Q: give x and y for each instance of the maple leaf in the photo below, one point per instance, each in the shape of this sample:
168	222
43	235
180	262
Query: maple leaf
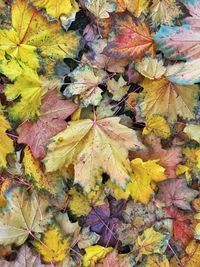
150	242
55	245
54	8
33	170
190	163
158	125
53	113
151	68
168	158
24	214
93	254
181	42
179	99
176	192
100	8
156	260
86	84
28	87
6	144
143	174
31	31
81	205
132	40
184	73
164	12
104	220
135	7
117	88
193	254
115	259
182	230
93	147
98	60
25	257
193	132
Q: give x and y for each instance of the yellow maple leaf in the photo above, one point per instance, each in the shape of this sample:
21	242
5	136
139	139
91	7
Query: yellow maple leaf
191	162
54	8
6	144
93	147
183	169
55	247
193	132
31	31
198	159
157	260
81	204
4	186
179	99
94	254
164	12
150	242
158	125
78	203
100	9
29	87
33	170
136	7
193	255
117	192
144	173
151	68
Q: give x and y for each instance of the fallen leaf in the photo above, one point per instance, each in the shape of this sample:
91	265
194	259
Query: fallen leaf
135	7
132	40
150	242
93	254
100	9
24	214
6	145
55	246
179	99
158	125
151	68
21	42
176	192
86	84
193	132
54	8
164	12
51	121
94	147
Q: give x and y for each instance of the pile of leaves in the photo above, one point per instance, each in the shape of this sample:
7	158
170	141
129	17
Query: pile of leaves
99	133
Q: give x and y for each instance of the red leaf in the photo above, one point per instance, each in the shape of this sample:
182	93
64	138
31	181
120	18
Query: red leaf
132	41
176	192
181	227
54	111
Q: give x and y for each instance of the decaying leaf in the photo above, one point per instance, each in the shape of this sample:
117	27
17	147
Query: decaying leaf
24	214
